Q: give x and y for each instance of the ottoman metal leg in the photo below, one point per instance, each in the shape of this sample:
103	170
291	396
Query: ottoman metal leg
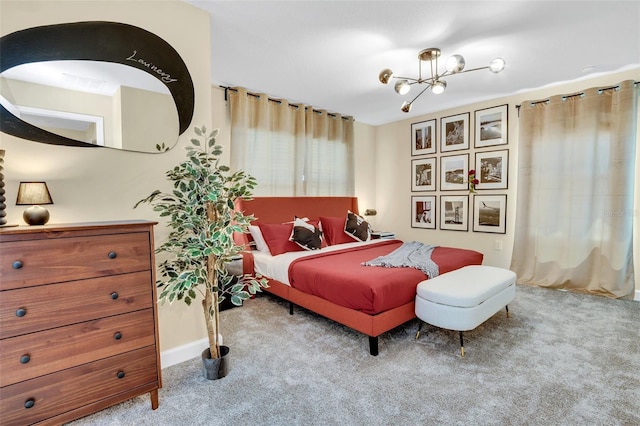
461	345
507	308
419	328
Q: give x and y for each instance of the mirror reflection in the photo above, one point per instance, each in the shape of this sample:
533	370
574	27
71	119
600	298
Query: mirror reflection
100	103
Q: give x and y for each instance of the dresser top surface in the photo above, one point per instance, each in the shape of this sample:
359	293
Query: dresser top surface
62	227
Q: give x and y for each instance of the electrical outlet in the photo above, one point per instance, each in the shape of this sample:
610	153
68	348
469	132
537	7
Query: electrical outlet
497	245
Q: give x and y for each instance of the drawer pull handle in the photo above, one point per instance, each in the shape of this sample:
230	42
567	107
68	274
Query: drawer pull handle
17	264
113	255
120	374
21	312
29	403
117	336
25	359
114	295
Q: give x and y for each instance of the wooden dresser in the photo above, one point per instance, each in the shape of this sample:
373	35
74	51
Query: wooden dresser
78	320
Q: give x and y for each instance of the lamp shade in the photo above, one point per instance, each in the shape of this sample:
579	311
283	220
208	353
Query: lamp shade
455	63
33	193
438	86
402	87
496	65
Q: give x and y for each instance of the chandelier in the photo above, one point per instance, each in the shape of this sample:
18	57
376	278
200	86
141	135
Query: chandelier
454	65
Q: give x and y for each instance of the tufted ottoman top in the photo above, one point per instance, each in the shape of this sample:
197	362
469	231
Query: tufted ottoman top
466	287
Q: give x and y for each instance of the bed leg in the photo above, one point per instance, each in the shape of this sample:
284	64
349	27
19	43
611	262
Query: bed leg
373	345
290	308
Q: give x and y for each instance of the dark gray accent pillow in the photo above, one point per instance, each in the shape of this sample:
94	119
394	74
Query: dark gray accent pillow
357	228
306	235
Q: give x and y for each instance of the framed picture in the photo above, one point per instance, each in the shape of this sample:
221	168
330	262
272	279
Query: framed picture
491	126
454	212
490	213
423	211
454	132
424	174
492	168
423	137
453	172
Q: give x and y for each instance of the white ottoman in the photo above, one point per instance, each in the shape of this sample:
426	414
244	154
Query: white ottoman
463	299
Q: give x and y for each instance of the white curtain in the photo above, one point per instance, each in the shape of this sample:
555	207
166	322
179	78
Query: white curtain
292	150
575	206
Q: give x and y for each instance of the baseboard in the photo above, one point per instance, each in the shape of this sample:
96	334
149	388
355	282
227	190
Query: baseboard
637	297
183	353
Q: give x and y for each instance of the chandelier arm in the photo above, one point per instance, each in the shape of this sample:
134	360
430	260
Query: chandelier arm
472	69
419	94
415	80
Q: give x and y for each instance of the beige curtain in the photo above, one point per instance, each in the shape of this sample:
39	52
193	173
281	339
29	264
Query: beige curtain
292	150
575	206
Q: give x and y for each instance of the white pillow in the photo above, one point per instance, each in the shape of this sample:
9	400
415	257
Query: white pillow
256	234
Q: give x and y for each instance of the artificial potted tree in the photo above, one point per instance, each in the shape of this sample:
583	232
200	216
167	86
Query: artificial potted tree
202	217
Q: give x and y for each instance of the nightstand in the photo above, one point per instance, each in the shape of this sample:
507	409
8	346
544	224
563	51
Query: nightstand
383	235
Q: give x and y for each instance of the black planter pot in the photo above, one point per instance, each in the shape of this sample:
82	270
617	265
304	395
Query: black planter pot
216	368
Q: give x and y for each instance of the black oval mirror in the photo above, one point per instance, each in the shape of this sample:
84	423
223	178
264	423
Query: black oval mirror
72	50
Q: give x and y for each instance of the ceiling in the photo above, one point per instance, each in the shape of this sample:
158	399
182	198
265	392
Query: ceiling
328	54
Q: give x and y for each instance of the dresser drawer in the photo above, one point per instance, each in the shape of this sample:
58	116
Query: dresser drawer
43	261
33	309
69	389
37	354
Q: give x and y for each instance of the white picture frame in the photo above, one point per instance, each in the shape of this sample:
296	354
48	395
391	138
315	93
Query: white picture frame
490	213
423	138
454	132
491	126
423	176
492	169
454	170
454	212
423	211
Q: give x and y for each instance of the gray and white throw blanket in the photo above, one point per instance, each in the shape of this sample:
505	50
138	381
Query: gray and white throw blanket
413	254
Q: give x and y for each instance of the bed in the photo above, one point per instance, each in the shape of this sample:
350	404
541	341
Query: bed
331	281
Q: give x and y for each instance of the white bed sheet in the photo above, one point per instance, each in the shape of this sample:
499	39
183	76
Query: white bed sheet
277	267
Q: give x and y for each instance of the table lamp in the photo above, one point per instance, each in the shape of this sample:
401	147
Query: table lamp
34	194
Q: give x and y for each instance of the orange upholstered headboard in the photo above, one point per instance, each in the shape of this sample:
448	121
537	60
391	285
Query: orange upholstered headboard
283	209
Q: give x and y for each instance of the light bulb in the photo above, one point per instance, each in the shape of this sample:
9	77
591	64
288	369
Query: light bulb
497	65
402	87
406	106
455	64
438	87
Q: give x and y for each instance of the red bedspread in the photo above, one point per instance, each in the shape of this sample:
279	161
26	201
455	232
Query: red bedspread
339	277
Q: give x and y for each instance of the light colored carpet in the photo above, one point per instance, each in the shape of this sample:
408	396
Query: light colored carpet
561	359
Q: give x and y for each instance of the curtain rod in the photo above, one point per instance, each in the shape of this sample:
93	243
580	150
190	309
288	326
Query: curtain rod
635	83
278	101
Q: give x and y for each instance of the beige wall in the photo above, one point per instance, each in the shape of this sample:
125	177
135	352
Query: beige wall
156	110
103	184
90	184
393	174
21	93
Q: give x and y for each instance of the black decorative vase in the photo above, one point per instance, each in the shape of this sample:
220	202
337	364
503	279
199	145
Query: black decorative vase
3	205
216	368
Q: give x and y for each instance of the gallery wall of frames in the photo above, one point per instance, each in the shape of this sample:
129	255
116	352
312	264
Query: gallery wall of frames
454	184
